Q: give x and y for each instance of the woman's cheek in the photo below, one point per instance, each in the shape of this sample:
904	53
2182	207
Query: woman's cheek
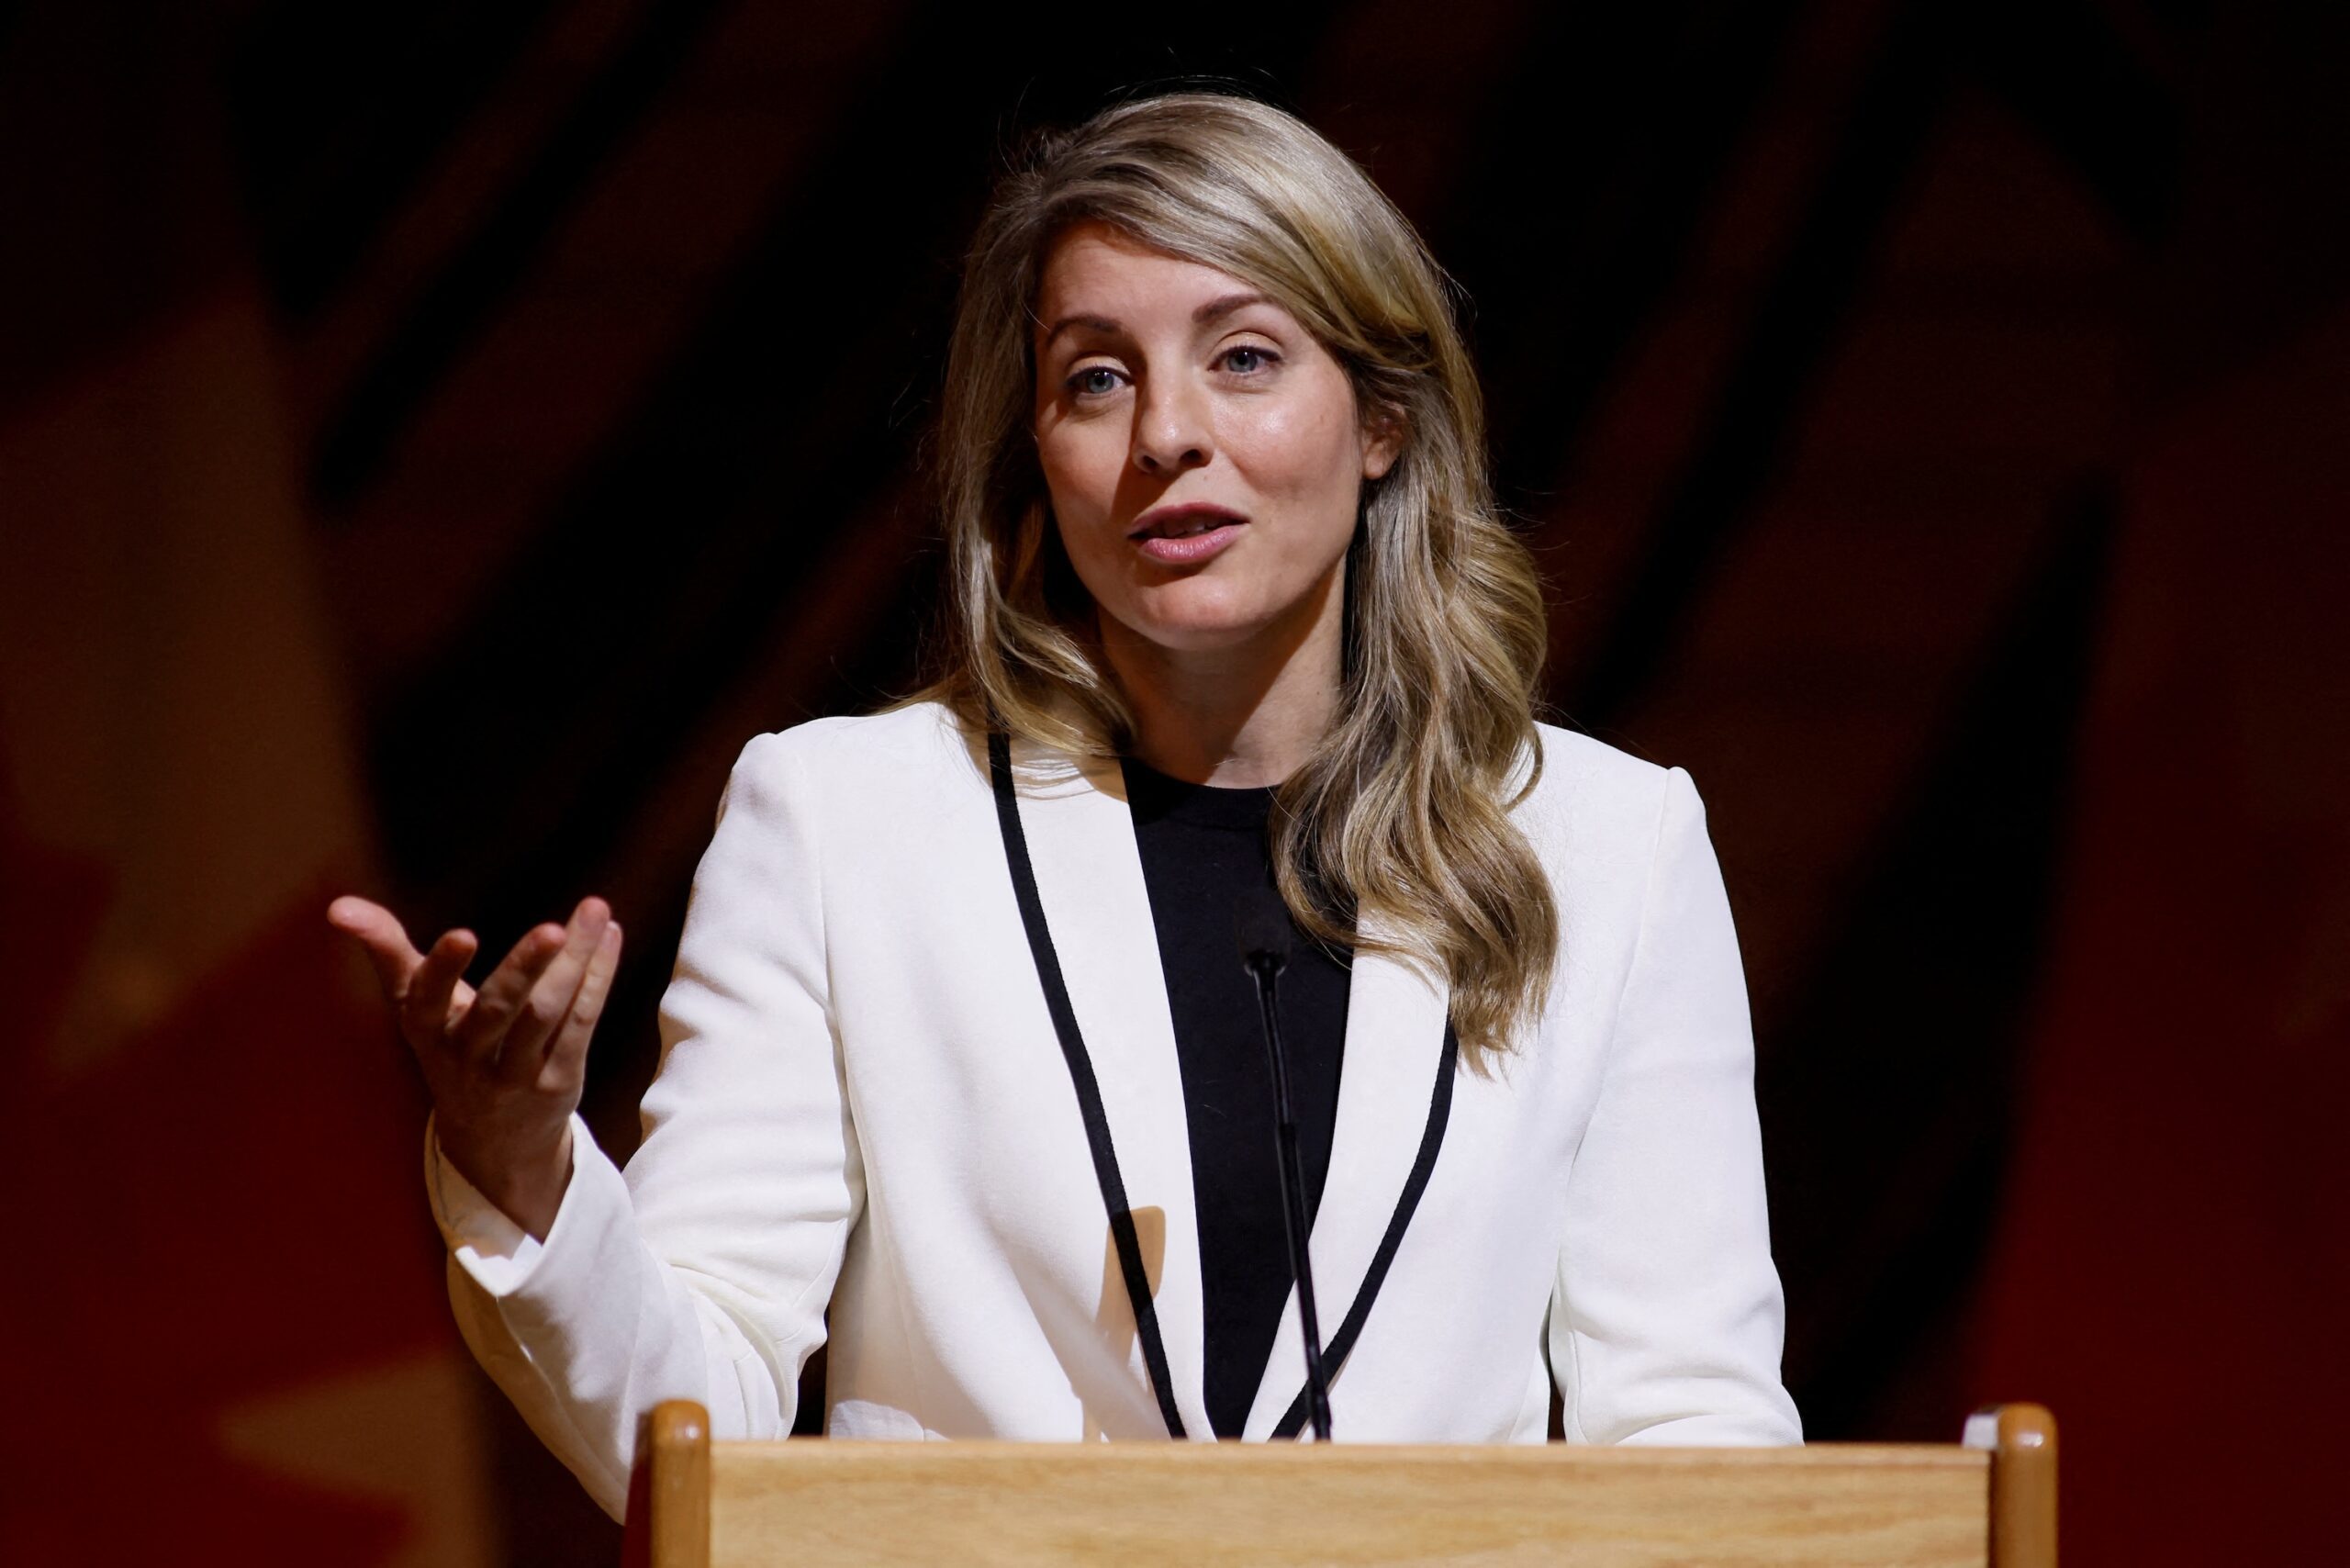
1293	447
1079	495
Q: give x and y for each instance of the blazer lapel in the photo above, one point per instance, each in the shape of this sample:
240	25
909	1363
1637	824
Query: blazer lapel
1089	878
1395	1042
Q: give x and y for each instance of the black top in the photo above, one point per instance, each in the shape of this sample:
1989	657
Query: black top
1203	849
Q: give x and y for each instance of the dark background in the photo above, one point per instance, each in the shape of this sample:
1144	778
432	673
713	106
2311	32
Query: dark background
1931	420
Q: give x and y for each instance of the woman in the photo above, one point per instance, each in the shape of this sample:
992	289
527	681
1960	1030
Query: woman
958	1050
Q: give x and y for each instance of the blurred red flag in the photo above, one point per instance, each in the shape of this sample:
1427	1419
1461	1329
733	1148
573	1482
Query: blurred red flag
226	1334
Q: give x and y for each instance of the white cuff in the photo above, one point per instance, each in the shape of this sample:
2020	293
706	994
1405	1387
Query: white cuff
497	1253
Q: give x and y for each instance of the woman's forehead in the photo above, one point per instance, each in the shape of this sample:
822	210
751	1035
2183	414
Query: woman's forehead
1096	272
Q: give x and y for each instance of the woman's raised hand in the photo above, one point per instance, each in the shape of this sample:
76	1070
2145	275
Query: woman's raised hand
503	1064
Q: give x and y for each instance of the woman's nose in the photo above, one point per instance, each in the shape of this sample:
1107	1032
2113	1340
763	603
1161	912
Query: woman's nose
1170	432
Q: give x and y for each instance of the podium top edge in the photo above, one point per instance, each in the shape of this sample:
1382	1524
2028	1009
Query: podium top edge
1823	1456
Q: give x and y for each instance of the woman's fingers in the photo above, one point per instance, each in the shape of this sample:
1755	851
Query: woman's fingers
541	1002
551	995
387	947
568	1049
437	995
482	1031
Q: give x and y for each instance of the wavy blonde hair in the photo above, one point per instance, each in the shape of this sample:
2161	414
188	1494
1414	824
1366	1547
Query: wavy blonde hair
1395	834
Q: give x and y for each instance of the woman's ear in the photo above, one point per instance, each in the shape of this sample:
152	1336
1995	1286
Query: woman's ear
1382	441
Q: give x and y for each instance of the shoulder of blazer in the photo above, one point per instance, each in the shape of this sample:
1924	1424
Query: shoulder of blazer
1588	787
844	753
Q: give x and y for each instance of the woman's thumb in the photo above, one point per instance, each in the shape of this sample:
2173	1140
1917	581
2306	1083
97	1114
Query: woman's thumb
387	947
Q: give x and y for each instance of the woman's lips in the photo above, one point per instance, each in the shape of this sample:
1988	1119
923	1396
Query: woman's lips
1187	533
1188	549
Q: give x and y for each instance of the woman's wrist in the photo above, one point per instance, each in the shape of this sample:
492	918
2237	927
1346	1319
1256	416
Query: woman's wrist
526	1185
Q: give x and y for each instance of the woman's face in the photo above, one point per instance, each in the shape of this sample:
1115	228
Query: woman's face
1203	453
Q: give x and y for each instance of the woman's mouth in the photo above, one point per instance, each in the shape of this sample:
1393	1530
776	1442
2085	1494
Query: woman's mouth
1185	535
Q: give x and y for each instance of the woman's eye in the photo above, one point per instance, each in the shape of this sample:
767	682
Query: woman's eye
1094	381
1246	359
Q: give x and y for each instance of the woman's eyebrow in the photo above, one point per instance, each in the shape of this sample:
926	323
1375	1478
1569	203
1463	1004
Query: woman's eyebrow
1101	324
1215	309
1225	305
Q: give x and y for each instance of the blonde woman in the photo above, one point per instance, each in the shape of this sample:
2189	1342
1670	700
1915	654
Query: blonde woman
959	1049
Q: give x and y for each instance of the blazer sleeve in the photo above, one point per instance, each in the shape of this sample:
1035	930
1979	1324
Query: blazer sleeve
1667	1320
703	1271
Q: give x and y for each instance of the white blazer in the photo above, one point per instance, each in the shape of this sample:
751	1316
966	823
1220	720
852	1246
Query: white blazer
863	1108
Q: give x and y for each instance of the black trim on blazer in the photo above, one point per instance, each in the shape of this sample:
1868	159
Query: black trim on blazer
1333	1354
1081	1069
1105	1157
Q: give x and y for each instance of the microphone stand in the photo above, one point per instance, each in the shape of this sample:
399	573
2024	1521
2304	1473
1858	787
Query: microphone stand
1266	952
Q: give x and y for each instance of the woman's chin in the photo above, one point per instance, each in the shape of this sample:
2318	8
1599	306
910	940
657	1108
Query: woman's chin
1187	621
1212	612
1196	637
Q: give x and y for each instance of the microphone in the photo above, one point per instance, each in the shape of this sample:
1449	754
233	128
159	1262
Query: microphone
1261	922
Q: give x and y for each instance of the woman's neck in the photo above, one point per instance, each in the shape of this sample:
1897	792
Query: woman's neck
1245	716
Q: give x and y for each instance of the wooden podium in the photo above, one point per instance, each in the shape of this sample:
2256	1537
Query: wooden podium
1987	1502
